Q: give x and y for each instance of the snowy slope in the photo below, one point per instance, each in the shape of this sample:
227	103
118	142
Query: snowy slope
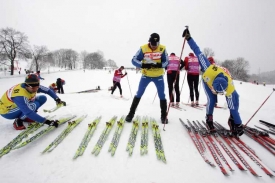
184	163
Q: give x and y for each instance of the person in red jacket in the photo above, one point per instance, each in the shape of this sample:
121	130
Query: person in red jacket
53	87
173	75
192	67
116	80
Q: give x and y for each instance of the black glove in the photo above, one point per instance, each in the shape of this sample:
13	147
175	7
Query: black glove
58	102
158	65
239	129
125	74
186	34
52	123
146	66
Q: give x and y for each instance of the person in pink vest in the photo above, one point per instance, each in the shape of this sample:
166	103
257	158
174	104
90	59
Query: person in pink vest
173	75
192	67
116	80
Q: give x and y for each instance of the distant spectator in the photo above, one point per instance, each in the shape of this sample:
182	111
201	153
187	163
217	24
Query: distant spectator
60	82
38	74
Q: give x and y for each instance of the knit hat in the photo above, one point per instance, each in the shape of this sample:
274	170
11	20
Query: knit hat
172	54
191	54
154	39
220	83
32	80
211	60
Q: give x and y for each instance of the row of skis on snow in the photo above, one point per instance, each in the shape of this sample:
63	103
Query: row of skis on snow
202	138
73	121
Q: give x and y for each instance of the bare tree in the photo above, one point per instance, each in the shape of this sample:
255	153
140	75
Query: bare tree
111	63
13	44
208	52
39	54
82	56
94	60
238	68
71	58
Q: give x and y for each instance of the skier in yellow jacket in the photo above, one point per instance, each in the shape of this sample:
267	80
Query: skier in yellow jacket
21	103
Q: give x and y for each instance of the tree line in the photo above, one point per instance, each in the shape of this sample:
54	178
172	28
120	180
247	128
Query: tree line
14	44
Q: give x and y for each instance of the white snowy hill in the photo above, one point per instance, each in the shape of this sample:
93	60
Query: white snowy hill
184	163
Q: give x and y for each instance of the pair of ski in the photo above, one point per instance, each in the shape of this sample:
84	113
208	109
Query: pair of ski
116	136
144	136
133	136
177	107
87	91
157	141
104	135
15	143
18	139
87	137
262	138
63	134
55	108
120	98
194	106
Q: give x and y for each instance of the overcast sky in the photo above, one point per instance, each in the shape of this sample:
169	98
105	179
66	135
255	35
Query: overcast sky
231	28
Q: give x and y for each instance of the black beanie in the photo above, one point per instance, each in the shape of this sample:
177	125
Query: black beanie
32	80
154	39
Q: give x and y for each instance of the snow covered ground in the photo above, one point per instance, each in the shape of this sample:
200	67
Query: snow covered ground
184	163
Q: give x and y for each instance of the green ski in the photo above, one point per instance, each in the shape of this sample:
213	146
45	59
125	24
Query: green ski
87	137
104	136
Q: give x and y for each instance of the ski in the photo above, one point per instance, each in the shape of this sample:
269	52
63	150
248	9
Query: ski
218	107
195	106
133	136
208	143
267	131
55	108
86	91
87	137
197	131
251	156
196	143
24	134
116	136
63	134
43	132
157	139
178	108
144	136
260	141
217	149
224	134
120	98
104	135
267	123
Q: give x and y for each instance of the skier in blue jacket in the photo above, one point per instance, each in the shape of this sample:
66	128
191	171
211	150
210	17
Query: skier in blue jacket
217	80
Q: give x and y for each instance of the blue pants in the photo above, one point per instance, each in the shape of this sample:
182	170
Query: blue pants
17	113
159	83
232	103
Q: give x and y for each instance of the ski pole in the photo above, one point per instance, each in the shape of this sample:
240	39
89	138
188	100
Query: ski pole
167	112
259	108
129	86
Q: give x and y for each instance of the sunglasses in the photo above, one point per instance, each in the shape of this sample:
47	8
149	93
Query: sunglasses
32	85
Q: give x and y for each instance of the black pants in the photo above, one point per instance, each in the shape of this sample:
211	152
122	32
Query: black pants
60	89
193	82
116	84
170	80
